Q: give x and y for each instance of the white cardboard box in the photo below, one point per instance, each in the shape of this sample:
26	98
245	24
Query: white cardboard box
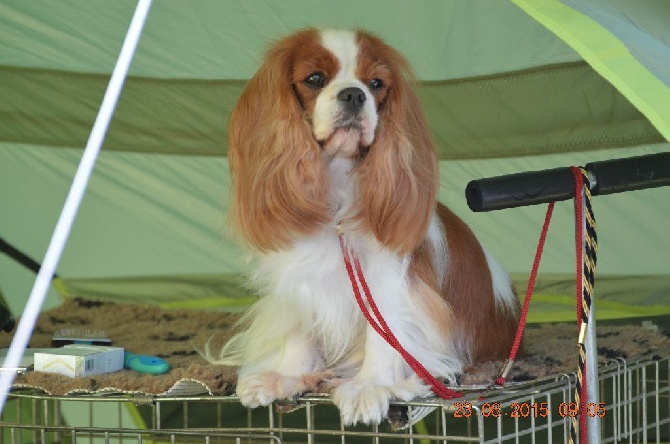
76	360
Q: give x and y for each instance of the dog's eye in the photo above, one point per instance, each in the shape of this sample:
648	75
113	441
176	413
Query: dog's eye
376	84
315	80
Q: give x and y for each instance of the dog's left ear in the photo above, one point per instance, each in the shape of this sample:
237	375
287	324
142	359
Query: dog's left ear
399	176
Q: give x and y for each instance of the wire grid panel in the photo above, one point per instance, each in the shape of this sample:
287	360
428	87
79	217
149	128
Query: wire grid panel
18	434
634	406
640	394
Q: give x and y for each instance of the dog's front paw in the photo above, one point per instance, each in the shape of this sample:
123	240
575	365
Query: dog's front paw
361	401
258	389
367	402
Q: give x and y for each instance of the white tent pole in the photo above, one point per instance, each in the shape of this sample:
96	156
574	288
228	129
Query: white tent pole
74	198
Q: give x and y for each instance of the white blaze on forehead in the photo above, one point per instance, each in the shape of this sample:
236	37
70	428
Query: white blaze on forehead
328	109
343	45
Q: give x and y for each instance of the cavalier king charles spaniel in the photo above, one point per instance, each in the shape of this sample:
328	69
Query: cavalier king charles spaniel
328	138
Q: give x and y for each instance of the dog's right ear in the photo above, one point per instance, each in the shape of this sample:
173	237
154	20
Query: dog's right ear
279	181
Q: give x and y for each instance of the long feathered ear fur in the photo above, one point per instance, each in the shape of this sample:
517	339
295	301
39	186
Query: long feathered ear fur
398	179
277	173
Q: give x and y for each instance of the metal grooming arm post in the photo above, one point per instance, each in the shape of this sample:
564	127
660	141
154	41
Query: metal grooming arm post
536	187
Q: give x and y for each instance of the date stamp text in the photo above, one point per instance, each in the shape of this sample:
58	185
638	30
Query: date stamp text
527	410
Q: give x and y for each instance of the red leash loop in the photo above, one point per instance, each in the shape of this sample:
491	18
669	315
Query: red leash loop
502	376
380	326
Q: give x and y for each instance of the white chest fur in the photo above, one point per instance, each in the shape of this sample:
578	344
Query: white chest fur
311	280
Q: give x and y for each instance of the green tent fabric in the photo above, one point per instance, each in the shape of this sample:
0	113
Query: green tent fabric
507	86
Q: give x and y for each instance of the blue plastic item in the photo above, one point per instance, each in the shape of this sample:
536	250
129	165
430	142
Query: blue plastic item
152	365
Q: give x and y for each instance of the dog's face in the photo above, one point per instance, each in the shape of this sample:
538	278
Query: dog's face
320	95
341	84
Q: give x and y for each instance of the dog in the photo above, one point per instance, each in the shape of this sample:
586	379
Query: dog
329	152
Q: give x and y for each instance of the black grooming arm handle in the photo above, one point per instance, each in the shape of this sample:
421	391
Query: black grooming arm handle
536	187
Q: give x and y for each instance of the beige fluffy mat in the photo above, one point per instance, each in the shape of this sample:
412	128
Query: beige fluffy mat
176	335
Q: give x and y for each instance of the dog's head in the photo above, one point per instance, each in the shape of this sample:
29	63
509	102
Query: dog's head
322	94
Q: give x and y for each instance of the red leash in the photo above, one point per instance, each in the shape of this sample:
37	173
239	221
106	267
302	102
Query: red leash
507	366
380	326
376	320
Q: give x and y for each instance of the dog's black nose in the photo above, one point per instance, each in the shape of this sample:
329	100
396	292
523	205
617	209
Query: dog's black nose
352	98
